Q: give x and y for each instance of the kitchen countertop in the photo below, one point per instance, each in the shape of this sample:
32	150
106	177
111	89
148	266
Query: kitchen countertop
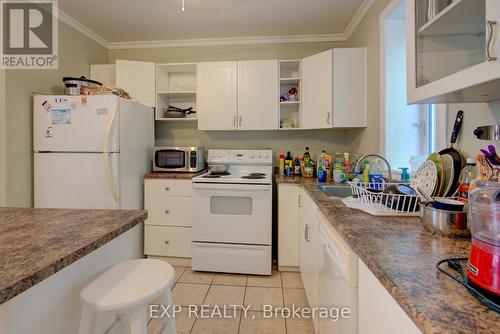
37	243
173	175
402	254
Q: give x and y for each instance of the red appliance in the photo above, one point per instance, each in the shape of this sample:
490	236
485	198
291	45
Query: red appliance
483	267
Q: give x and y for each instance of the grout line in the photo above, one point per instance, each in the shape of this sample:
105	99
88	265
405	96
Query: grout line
283	296
243	304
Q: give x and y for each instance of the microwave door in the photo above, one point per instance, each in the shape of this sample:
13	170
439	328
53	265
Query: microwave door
171	160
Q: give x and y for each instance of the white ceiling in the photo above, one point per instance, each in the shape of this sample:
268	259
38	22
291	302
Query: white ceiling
118	21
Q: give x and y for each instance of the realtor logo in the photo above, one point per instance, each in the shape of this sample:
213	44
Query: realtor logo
29	38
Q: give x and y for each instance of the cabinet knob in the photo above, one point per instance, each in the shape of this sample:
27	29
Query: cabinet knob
167	211
167	242
167	188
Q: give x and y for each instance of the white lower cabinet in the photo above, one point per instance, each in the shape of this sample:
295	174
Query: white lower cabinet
379	313
288	226
167	241
309	247
167	230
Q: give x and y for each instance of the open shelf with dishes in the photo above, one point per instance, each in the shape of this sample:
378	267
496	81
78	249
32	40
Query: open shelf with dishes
175	92
290	109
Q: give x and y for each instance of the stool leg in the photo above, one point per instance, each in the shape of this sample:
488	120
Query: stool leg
87	321
168	321
122	324
139	321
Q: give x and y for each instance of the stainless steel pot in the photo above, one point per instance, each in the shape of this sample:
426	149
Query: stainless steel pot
74	85
446	223
218	169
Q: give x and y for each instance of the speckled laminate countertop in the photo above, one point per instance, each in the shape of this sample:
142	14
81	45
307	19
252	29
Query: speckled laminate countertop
173	175
36	243
402	254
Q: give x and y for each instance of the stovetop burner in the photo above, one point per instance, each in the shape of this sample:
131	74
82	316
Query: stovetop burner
219	174
253	177
211	176
257	174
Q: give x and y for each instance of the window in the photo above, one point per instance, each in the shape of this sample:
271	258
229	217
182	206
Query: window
410	130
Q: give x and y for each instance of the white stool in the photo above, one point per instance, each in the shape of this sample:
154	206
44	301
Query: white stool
126	289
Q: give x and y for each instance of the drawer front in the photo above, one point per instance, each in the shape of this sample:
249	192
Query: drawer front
168	210
167	241
167	187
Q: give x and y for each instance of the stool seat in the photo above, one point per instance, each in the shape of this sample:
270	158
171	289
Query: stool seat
128	285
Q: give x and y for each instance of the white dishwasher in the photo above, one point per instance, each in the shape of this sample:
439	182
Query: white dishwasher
338	283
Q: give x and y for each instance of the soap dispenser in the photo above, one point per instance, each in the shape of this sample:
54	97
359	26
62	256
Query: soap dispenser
405	175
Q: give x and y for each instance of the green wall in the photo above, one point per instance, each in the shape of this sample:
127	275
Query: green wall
76	52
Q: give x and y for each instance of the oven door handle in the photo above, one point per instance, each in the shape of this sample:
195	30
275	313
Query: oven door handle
237	187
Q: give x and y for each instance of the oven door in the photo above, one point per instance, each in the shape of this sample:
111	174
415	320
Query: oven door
232	213
171	160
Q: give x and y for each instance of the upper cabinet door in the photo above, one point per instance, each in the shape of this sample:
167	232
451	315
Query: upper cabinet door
453	54
349	88
138	79
258	95
104	73
217	95
317	91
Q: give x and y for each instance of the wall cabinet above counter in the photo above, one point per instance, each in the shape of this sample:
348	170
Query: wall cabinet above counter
453	54
326	90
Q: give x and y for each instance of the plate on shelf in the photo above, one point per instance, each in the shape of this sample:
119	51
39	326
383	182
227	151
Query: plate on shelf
438	161
449	174
426	177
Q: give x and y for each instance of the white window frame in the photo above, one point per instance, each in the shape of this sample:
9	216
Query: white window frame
441	109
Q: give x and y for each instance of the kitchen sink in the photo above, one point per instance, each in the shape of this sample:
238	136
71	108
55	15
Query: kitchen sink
341	191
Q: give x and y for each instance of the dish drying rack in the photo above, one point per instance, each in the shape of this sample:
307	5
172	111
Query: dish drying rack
370	198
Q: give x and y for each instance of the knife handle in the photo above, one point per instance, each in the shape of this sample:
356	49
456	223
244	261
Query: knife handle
457	126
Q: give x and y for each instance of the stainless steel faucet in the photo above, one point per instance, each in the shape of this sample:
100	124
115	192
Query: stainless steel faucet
356	169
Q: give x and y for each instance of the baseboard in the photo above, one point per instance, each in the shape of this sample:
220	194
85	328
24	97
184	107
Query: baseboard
175	261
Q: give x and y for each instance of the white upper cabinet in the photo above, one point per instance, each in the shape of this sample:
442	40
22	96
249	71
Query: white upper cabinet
317	91
453	54
138	78
217	95
258	95
334	89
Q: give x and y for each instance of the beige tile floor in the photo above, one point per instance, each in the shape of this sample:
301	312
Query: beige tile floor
195	288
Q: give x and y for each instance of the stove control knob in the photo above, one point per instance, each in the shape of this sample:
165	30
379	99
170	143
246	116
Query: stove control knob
258	156
252	155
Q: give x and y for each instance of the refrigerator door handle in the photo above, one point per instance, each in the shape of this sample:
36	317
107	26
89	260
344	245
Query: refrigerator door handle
107	167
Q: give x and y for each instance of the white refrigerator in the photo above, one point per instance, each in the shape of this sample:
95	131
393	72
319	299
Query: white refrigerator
91	152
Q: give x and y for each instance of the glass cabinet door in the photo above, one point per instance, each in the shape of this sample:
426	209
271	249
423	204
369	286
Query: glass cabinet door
450	37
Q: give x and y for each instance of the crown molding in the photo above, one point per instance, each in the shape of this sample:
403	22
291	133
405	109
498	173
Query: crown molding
228	41
342	37
63	17
358	17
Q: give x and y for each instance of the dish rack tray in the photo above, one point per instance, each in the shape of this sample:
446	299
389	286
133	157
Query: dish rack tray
370	198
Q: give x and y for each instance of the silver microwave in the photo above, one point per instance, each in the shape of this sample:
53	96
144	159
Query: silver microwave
179	159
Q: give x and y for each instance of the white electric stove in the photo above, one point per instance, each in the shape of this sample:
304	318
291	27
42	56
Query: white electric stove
232	214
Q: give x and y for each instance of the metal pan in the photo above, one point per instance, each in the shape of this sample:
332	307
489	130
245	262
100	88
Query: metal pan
458	159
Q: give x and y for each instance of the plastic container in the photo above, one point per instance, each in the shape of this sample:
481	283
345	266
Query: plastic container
468	174
484	202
